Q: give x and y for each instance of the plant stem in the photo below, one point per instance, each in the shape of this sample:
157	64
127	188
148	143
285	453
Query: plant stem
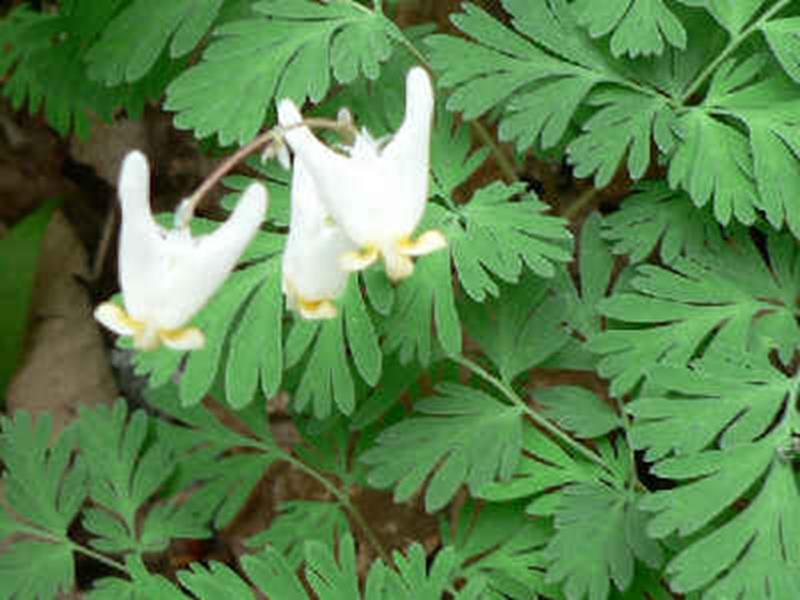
109	562
732	45
504	163
340	496
582	202
189	205
536	417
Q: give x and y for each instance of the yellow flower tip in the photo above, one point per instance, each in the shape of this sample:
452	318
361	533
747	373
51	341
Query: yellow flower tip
398	266
428	242
183	338
116	319
316	310
359	259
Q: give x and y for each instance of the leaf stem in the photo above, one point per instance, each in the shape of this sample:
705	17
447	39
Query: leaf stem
340	496
109	562
732	45
536	417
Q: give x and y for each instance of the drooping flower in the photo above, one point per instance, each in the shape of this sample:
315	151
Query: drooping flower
312	279
167	276
377	191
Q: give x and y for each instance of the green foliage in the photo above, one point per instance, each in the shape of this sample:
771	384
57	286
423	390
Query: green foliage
45	489
301	521
445	437
134	39
277	55
737	494
45	66
656	216
19	257
547	73
124	475
639	26
729	296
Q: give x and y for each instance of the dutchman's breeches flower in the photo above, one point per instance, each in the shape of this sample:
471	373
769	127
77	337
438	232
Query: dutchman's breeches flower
312	279
167	276
376	192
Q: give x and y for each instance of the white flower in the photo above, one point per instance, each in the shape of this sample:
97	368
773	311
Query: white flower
312	279
377	193
167	276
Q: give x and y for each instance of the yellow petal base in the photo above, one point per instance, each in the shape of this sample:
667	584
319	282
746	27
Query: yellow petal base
397	260
145	335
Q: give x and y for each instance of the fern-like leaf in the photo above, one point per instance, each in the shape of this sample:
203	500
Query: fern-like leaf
727	296
287	50
446	438
732	459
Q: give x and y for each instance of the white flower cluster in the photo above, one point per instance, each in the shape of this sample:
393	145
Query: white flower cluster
350	207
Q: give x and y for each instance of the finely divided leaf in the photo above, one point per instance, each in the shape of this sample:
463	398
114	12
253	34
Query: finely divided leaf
448	436
607	526
540	91
335	344
134	39
498	232
656	216
640	27
300	521
288	50
730	421
725	297
783	36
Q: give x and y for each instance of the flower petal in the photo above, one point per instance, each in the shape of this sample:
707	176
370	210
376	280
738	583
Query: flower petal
409	150
185	338
194	269
317	311
358	260
398	266
428	242
115	318
310	259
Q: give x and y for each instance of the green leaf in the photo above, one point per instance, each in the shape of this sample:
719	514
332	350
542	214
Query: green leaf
19	257
578	410
540	75
421	301
495	235
521	328
331	579
272	574
728	179
47	51
288	50
447	437
214	582
658	216
732	449
640	27
42	485
768	109
784	41
544	466
125	472
504	546
413	580
453	158
726	297
621	128
734	14
142	586
326	378
205	450
32	569
300	521
609	529
134	39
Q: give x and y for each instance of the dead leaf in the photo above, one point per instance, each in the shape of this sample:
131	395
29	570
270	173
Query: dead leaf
66	363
